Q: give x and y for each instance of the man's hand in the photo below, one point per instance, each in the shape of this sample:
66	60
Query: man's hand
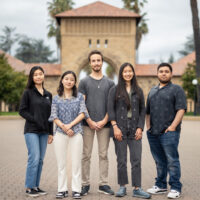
92	124
138	134
117	133
101	124
170	128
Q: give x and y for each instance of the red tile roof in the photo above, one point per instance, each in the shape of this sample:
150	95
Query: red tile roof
50	69
178	67
146	69
18	65
182	63
140	69
98	9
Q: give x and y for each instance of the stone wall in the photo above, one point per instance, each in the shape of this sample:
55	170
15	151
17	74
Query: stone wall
146	83
51	83
115	38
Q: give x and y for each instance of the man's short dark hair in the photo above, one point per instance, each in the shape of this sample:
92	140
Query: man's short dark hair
165	65
95	52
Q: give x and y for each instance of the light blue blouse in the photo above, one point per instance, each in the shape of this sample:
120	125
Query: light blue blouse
66	110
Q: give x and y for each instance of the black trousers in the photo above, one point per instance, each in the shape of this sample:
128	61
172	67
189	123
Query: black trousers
135	149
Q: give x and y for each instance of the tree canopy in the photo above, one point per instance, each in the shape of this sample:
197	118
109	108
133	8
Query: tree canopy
55	7
187	78
12	83
31	50
7	39
188	46
136	6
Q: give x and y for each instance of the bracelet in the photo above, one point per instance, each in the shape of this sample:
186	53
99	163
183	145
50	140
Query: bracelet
114	125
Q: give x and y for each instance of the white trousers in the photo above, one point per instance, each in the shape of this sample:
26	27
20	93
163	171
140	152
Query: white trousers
62	143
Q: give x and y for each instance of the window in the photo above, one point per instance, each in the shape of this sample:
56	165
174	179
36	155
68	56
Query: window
106	44
90	43
98	43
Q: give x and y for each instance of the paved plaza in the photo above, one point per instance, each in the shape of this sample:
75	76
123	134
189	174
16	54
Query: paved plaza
13	158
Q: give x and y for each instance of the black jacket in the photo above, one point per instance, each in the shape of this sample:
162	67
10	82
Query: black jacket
36	109
117	110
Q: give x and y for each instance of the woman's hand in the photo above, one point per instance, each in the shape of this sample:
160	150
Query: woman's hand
138	134
117	133
66	127
70	132
50	139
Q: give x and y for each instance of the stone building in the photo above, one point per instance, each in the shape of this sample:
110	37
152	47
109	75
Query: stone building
97	26
104	27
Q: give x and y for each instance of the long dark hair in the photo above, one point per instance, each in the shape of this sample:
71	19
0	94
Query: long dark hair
121	86
30	83
60	89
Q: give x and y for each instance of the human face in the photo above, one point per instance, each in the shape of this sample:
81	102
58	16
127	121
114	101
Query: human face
68	81
38	77
127	74
164	75
96	62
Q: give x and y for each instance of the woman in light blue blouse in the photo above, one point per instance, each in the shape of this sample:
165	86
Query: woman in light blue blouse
67	111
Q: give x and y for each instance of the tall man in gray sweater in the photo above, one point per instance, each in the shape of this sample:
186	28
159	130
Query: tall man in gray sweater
95	89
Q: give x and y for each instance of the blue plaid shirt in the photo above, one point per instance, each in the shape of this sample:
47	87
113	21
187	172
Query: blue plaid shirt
66	110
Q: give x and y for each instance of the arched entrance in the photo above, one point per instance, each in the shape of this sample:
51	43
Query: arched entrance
107	70
100	26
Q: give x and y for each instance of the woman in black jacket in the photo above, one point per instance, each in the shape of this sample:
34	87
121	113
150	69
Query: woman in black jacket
126	112
35	108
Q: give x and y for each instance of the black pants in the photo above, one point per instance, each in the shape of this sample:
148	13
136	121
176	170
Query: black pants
135	148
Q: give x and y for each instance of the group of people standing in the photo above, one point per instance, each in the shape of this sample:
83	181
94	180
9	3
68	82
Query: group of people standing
100	107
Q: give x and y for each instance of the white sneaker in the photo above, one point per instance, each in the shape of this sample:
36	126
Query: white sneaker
156	190
173	194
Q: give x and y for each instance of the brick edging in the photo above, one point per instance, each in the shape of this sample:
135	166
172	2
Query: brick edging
13	117
191	118
10	117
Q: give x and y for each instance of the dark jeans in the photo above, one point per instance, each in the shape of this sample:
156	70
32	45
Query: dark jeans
135	148
164	149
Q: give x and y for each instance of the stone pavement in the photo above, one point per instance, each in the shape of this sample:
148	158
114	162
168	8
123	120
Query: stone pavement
13	157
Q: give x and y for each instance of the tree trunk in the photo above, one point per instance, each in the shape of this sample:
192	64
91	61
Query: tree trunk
196	31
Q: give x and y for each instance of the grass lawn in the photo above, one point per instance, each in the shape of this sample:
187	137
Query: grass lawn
16	114
8	113
190	114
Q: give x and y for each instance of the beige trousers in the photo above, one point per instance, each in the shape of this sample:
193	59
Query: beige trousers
61	144
103	138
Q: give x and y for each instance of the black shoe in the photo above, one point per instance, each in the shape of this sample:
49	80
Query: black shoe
32	193
85	190
105	189
76	195
61	195
40	192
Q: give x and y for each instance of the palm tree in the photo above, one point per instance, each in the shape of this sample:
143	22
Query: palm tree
7	39
55	7
196	31
136	6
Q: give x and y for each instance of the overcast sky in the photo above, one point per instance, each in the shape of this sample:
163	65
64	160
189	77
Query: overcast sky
169	23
